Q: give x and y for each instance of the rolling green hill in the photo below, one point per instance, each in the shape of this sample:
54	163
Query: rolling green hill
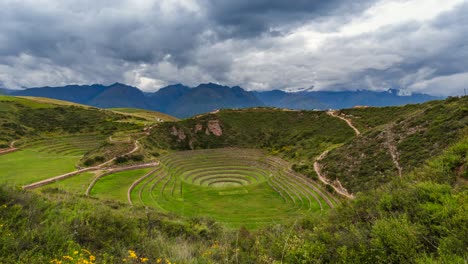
397	140
233	186
23	118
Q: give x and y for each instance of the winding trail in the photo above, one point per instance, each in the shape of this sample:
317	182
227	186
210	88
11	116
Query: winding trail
336	184
10	149
135	149
350	124
392	149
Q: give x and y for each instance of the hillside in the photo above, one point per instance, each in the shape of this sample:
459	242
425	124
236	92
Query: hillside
296	134
146	114
30	117
397	140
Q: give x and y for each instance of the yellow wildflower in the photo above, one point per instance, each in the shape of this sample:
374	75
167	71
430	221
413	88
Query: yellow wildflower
75	252
92	258
67	257
132	254
143	260
159	260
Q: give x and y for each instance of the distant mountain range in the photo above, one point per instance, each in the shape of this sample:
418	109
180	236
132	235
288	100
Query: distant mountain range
183	101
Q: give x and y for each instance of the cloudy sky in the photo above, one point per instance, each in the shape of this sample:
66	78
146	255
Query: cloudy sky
413	45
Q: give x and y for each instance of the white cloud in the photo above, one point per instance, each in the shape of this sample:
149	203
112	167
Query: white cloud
442	85
391	13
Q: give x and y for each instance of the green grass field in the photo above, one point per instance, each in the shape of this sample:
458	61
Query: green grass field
115	186
238	187
45	158
31	165
75	185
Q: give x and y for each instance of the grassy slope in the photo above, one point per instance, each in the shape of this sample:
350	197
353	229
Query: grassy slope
370	117
32	117
418	132
146	114
52	101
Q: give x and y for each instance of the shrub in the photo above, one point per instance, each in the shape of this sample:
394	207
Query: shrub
121	159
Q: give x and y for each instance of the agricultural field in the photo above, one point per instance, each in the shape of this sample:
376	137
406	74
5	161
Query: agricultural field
45	158
238	187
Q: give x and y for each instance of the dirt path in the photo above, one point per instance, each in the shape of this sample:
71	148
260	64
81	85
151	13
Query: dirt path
57	178
350	124
391	145
336	184
135	149
10	149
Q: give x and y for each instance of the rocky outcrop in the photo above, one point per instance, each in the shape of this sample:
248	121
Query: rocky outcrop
198	127
179	133
214	128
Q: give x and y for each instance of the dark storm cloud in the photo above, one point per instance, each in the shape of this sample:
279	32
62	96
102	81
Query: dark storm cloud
244	18
256	44
69	35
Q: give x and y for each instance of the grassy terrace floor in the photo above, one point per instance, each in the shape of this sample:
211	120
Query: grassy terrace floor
31	165
45	158
233	186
